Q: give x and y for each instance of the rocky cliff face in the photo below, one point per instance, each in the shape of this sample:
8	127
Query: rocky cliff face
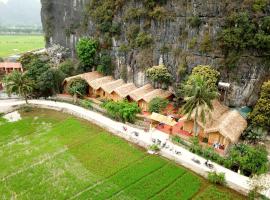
176	42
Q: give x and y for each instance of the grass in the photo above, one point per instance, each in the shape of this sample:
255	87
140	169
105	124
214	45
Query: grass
15	44
50	155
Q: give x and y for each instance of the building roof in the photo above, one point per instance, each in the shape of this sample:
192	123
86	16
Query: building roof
222	119
157	93
97	83
163	119
14	65
138	94
231	125
88	77
125	89
110	87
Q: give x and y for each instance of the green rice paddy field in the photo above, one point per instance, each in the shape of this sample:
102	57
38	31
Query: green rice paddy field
50	155
14	44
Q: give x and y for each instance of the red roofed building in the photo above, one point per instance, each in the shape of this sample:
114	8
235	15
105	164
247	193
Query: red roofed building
8	67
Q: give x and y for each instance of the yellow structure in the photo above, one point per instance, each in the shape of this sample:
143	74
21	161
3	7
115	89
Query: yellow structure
122	92
95	86
110	87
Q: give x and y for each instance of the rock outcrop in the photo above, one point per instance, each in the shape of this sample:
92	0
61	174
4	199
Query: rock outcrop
175	42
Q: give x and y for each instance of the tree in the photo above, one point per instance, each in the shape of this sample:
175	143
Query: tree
159	74
27	58
250	160
122	110
260	116
87	49
210	75
20	84
77	88
158	105
67	67
105	64
198	100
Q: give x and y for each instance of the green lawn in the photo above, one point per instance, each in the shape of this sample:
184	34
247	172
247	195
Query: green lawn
50	155
14	44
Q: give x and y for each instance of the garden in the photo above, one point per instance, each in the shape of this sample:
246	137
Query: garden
50	155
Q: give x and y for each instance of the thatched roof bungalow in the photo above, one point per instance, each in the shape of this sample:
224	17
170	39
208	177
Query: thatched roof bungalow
95	86
138	94
88	77
122	92
110	87
145	100
223	126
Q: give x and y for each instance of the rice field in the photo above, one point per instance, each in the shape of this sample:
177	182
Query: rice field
15	44
50	155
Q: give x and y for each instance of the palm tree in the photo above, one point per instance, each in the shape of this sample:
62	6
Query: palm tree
198	100
18	83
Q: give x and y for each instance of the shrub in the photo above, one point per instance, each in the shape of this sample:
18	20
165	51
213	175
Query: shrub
122	110
67	67
143	40
179	140
78	87
260	116
192	43
217	178
135	13
159	74
154	147
158	105
195	21
86	104
259	5
206	45
208	73
105	64
27	58
159	13
87	51
254	134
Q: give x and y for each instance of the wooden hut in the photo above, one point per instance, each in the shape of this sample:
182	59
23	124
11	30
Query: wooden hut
138	94
88	77
145	100
223	126
122	92
95	89
110	87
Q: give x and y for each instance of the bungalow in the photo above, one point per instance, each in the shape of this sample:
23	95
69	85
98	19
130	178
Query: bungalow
122	92
8	67
137	94
110	87
223	127
88	77
145	100
95	86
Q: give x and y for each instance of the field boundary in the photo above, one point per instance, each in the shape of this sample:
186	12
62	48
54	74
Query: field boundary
234	180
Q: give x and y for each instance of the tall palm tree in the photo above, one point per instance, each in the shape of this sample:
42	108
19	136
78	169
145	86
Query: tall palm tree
18	83
198	100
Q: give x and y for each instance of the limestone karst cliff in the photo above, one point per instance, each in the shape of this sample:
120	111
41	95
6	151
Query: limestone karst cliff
180	33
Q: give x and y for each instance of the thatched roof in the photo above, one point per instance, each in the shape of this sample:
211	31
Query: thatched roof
110	87
125	89
228	123
157	93
163	119
231	125
97	83
139	93
88	77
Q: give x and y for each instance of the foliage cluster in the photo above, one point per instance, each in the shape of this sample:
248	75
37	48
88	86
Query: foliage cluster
260	116
88	51
243	32
195	21
210	75
122	110
159	74
158	105
248	159
217	178
77	87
